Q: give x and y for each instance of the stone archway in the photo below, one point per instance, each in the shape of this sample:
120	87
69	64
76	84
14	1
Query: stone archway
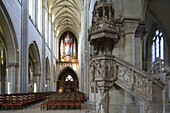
10	44
34	69
67	81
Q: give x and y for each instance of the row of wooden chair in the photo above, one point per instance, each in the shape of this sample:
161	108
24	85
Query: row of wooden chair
22	100
70	100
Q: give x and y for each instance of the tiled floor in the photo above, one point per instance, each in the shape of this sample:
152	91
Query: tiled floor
36	109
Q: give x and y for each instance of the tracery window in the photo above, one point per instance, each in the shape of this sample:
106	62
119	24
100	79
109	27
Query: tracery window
69	78
32	10
157	52
68	47
157	45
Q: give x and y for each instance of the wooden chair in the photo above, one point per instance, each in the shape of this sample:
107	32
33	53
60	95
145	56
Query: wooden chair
1	102
77	104
6	101
44	104
64	103
57	104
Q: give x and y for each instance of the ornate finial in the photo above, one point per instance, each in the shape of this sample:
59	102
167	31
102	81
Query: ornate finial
103	28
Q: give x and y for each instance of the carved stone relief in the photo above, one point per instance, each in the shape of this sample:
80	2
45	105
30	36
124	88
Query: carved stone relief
108	70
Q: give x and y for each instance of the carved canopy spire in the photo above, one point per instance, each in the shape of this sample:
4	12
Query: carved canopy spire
103	27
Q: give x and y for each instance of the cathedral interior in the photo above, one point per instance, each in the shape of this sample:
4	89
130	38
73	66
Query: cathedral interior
104	56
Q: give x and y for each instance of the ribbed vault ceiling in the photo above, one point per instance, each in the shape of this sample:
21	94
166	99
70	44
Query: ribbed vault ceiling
66	14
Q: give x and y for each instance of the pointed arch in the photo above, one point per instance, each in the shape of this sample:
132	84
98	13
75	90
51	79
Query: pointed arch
10	42
67	80
68	70
10	38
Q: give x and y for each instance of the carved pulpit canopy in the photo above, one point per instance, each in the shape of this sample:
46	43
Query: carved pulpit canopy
103	27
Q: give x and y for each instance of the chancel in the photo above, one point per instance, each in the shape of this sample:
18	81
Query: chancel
95	56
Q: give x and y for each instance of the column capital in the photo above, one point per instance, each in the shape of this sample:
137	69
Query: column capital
130	28
141	30
130	25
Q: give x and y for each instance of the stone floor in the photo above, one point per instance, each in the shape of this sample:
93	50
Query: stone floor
36	109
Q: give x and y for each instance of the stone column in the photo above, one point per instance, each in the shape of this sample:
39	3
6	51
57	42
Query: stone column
138	52
54	86
12	79
85	50
130	28
43	68
37	80
52	44
57	48
81	46
48	84
139	36
24	47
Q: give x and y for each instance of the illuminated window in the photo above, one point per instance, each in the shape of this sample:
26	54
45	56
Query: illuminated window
68	46
157	46
46	26
32	10
39	15
69	78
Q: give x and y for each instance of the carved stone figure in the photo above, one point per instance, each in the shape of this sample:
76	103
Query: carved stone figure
103	102
104	71
92	71
95	51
